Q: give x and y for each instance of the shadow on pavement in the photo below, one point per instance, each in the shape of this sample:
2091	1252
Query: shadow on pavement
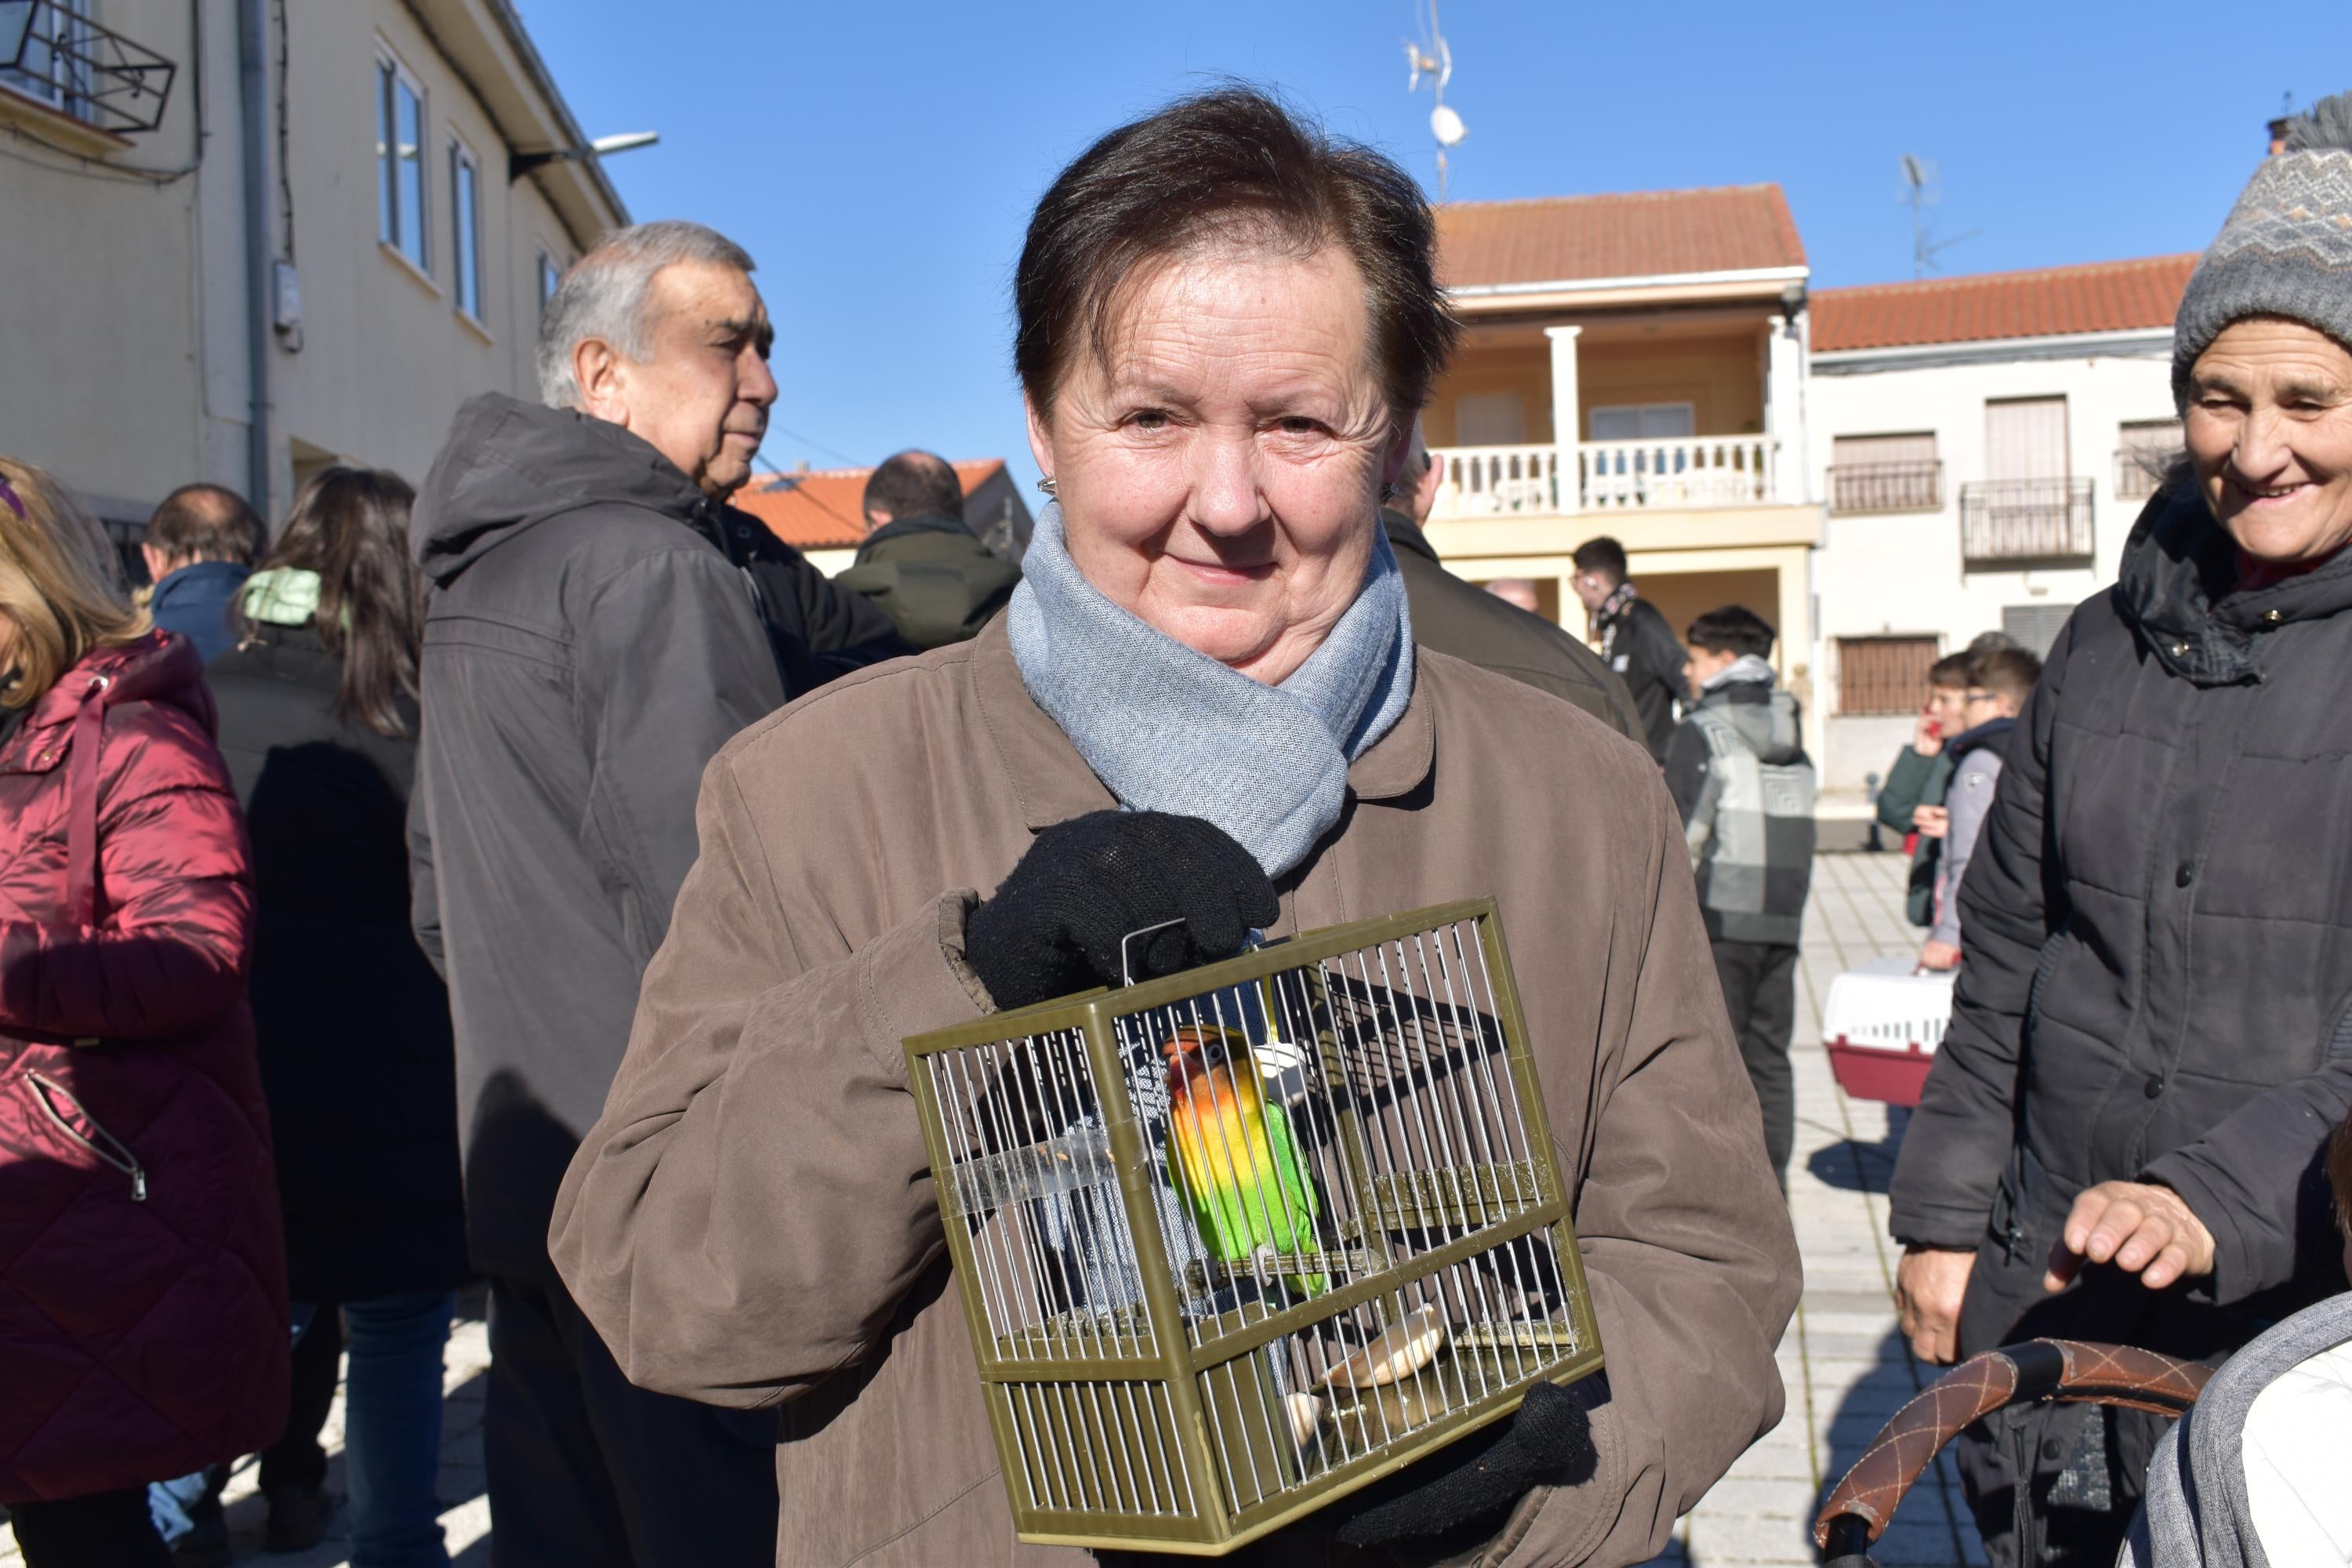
1932	1526
1852	1166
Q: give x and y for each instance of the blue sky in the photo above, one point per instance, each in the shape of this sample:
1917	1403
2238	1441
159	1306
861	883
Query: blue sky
879	159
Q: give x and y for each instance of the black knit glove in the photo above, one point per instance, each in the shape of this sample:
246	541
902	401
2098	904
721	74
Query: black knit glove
1055	926
1548	1441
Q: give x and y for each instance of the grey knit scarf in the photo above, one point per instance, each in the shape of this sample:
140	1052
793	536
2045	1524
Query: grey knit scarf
1167	729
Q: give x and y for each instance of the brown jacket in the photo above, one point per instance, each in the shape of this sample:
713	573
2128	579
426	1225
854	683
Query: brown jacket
752	1221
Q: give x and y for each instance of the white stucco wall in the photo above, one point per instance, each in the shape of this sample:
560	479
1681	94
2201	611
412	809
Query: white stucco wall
1901	573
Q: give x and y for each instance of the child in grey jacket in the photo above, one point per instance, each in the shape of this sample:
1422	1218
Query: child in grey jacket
1999	683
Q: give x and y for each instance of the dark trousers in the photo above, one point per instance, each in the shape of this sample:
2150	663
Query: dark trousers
105	1529
588	1470
297	1461
1760	989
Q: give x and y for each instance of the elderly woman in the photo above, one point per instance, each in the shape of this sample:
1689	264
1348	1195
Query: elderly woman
1227	324
2152	1033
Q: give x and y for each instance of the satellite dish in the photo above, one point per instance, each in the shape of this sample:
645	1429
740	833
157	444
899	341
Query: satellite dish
1447	126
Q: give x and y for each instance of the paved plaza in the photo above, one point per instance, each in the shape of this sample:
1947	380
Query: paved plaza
1845	1367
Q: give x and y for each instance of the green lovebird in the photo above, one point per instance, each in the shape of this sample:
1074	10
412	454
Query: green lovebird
1239	1169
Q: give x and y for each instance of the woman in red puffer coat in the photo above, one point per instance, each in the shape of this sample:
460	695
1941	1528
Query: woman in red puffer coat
142	1293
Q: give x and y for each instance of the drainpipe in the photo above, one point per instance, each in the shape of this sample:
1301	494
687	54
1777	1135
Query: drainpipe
253	74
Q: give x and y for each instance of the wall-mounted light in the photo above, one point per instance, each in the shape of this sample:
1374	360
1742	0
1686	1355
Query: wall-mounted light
521	164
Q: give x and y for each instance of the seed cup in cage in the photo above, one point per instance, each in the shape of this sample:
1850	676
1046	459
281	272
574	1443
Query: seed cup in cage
1237	1242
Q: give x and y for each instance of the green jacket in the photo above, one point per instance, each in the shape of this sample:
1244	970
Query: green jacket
1461	618
933	577
1913	782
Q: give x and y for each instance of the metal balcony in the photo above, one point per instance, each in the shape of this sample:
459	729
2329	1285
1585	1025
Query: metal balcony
51	53
1913	485
2021	521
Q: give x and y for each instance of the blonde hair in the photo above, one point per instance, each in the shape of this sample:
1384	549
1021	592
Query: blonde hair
56	591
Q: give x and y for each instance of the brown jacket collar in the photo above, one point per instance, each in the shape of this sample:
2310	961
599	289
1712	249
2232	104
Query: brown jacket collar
1053	783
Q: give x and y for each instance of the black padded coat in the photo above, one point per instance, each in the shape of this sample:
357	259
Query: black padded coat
2159	949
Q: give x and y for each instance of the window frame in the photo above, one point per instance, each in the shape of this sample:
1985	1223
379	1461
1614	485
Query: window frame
66	88
392	75
464	224
2134	478
1853	684
549	275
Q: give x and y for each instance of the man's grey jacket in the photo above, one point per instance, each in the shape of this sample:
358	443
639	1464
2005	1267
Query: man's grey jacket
596	630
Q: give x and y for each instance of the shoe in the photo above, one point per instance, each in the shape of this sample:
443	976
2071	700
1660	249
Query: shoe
298	1517
206	1543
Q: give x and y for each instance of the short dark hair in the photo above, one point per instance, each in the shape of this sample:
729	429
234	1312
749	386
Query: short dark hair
1228	163
915	484
2010	671
1603	554
207	523
1952	671
1735	628
1992	642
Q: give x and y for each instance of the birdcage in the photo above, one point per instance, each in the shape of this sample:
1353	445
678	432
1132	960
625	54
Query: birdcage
1237	1242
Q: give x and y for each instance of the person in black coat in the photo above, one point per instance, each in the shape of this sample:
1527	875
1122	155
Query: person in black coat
318	725
2151	1037
1636	640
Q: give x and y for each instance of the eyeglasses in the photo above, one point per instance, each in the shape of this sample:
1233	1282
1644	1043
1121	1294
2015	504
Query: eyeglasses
1975	697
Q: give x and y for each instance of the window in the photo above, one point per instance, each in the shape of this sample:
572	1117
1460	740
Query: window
2035	626
1885	473
1883	675
1642	422
466	228
1490	419
400	163
51	45
551	277
2144	449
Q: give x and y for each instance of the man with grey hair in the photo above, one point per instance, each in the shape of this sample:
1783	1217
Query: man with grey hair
599	623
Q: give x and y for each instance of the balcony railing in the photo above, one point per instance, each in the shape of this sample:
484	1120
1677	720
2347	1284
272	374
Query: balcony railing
2026	519
1913	485
53	53
1686	471
2140	470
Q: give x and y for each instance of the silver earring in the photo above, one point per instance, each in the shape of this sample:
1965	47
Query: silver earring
1046	484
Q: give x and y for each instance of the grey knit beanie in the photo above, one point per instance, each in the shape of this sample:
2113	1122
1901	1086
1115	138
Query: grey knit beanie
2287	247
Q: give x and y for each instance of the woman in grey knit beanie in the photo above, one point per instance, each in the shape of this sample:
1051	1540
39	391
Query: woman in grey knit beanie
2262	356
2152	1027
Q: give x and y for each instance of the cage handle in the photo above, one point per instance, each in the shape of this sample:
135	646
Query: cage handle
1125	954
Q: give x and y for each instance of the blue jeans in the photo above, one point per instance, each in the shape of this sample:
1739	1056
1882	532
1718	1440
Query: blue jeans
392	1429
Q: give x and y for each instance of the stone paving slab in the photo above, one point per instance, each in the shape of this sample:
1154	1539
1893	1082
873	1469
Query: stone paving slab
1845	1367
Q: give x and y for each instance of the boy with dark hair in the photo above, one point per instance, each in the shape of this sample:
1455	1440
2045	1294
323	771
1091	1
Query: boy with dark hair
1911	801
1999	683
1740	774
1636	640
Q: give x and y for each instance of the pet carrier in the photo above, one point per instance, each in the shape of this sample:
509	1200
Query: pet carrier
1237	1242
1882	1026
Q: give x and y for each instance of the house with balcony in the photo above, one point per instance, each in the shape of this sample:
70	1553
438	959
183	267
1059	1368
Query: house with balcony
244	241
1632	365
1983	445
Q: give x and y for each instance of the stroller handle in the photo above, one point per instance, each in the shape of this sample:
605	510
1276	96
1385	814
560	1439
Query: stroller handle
2066	1371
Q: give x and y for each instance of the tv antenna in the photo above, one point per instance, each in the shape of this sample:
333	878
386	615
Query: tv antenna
1434	60
1923	187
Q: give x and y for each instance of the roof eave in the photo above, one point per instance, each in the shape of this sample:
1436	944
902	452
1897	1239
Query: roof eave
2136	342
1768	283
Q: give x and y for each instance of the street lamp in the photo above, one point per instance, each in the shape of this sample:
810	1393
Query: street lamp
521	164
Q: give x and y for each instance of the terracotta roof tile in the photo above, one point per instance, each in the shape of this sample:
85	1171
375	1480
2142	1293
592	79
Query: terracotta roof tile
1643	234
2103	297
820	508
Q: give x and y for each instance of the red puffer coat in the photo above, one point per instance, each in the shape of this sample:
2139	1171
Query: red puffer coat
142	1282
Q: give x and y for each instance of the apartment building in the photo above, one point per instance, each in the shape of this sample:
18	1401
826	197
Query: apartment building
1631	365
1984	445
245	241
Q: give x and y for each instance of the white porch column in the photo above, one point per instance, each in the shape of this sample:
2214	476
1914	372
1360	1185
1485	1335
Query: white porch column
1567	418
1784	410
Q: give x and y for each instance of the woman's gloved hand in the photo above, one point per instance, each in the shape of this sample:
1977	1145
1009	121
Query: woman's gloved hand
1548	1443
1055	925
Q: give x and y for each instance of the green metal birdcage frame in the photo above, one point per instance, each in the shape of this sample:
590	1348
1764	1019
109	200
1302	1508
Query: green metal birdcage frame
1216	1527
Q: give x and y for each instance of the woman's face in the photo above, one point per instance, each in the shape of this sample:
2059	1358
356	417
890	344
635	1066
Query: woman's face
2268	430
1220	475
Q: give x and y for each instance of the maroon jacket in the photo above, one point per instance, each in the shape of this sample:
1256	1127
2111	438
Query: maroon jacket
142	1282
